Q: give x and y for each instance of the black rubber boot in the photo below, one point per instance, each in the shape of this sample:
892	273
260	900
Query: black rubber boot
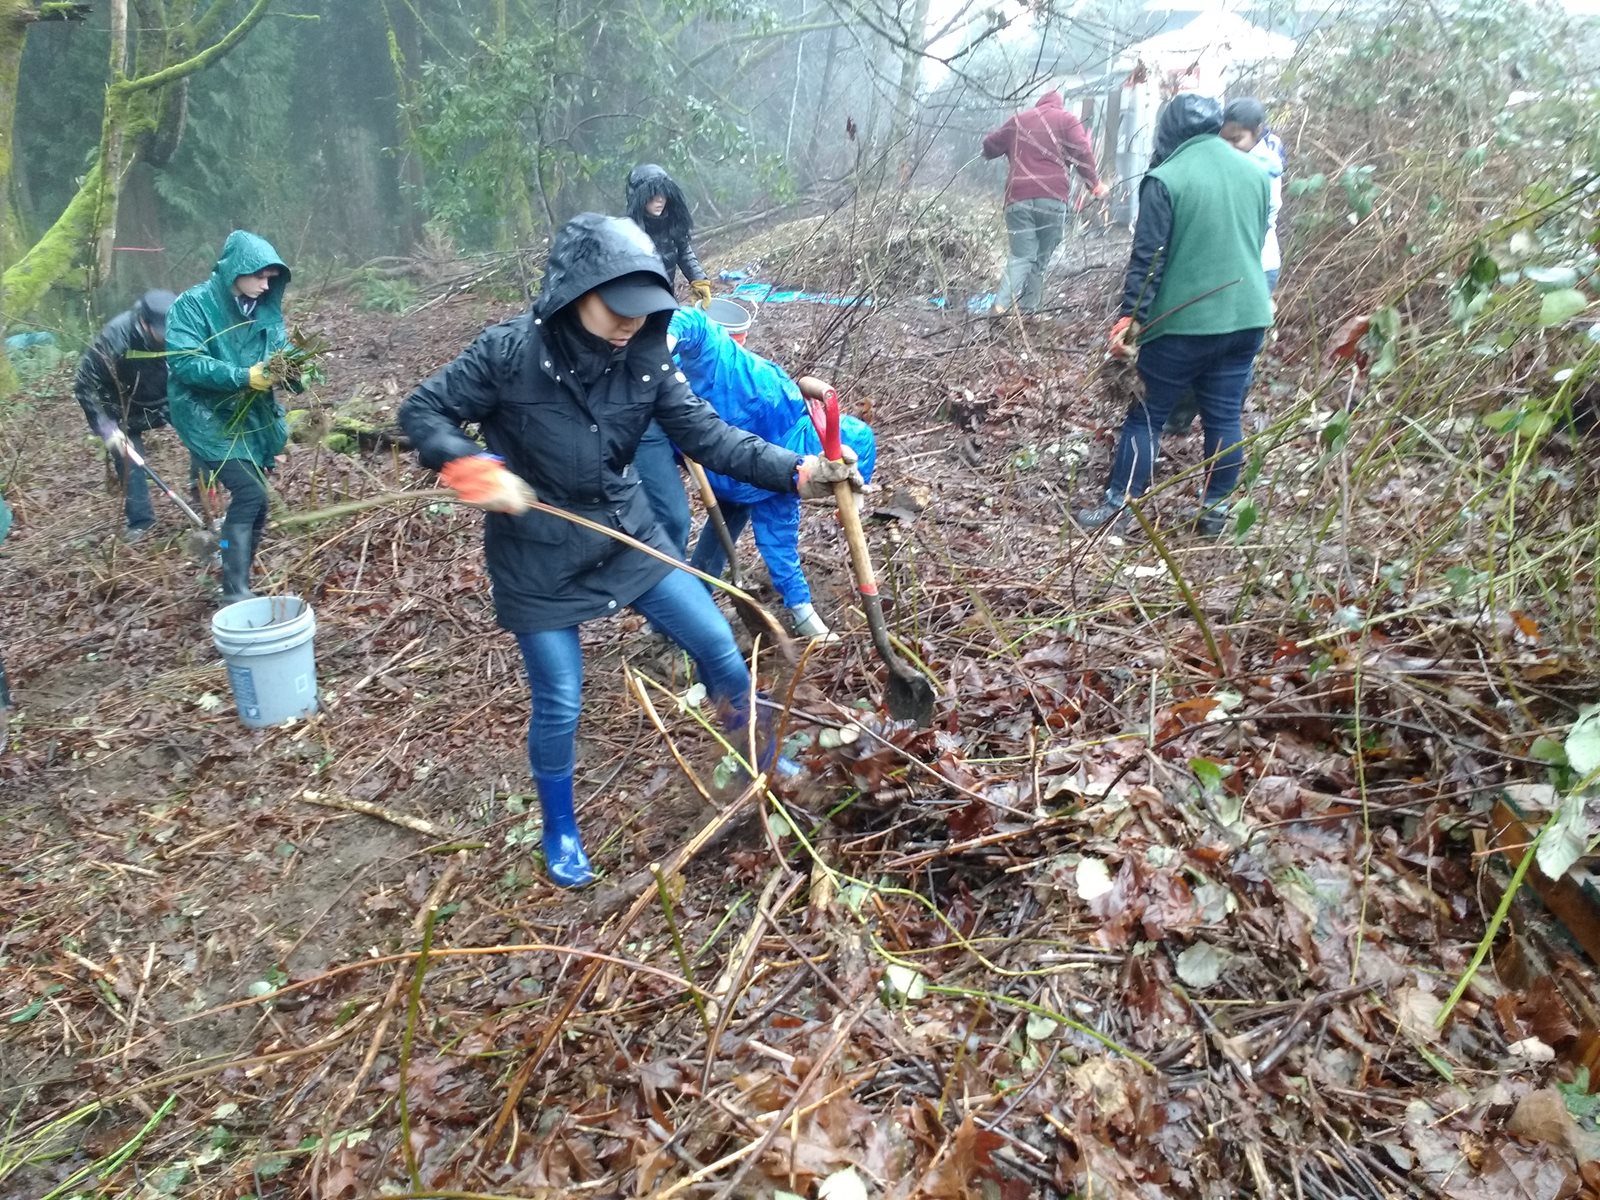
236	557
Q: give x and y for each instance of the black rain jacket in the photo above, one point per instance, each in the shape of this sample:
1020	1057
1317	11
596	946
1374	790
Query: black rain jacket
1185	116
130	392
673	231
575	445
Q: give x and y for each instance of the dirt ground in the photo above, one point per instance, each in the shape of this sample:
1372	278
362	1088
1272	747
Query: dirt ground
1034	951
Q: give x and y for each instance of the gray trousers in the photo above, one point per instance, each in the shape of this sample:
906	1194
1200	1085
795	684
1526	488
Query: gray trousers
1033	228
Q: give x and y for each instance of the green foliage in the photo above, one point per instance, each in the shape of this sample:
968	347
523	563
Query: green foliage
513	137
387	295
1360	190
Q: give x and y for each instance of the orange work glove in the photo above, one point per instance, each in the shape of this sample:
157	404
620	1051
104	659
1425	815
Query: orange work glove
1101	190
482	482
1123	335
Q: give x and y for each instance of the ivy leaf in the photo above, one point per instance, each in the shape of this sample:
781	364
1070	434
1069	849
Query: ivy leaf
1207	772
1550	278
1560	306
1246	515
1564	840
1092	878
1201	965
1583	742
842	1185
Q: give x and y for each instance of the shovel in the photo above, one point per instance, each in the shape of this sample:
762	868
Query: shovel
201	543
909	696
753	620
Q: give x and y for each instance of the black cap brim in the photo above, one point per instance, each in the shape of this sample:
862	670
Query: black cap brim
636	296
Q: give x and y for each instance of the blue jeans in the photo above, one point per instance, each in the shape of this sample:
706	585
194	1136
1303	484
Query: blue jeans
709	556
1033	230
1218	367
135	488
680	608
658	473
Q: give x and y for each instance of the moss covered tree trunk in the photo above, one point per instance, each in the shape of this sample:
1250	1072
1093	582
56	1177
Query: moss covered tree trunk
133	110
13	36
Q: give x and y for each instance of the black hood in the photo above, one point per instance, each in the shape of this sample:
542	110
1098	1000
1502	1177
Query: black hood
590	250
1186	115
646	180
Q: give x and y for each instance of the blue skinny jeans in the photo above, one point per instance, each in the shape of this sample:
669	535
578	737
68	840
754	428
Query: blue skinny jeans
679	607
1218	367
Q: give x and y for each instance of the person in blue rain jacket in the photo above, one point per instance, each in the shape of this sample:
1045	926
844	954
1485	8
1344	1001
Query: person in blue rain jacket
753	394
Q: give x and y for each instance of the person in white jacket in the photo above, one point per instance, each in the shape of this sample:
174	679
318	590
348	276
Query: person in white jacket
1244	126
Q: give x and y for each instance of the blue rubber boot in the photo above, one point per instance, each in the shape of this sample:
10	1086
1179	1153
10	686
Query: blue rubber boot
768	760
564	858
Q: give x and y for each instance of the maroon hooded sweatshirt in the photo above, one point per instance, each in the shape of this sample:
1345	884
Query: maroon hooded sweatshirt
1039	144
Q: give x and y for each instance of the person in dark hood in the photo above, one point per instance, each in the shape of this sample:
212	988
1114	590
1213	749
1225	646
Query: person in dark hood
1194	307
1041	145
657	205
121	385
220	336
562	396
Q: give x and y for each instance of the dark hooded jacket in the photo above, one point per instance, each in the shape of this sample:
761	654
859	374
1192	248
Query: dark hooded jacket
1195	267
673	231
116	383
574	441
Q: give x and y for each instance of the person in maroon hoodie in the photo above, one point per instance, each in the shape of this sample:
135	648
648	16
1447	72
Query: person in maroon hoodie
1041	144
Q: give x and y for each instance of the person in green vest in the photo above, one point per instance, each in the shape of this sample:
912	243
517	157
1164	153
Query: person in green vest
1195	306
221	335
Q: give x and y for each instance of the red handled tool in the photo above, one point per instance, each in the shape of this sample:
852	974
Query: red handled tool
909	696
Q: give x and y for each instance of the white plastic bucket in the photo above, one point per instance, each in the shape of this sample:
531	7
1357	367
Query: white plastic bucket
732	316
272	662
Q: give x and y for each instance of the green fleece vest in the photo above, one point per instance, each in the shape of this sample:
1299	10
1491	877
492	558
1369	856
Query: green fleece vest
1219	218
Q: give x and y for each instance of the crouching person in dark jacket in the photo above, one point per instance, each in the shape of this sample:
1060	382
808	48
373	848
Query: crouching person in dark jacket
121	386
562	396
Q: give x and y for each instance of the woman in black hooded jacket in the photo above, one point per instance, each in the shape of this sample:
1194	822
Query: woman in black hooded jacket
656	204
562	396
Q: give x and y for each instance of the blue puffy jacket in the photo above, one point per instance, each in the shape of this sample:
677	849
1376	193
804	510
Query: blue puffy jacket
756	395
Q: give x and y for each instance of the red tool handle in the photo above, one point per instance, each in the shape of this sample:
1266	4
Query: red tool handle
825	418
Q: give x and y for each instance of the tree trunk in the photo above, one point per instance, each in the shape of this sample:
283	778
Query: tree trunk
901	142
13	36
132	108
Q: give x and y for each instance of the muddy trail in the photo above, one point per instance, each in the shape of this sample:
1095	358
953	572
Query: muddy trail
1167	903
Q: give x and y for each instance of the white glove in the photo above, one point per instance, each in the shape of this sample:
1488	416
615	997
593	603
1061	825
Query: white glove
116	441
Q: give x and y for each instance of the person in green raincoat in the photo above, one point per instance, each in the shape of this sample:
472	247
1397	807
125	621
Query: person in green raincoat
220	334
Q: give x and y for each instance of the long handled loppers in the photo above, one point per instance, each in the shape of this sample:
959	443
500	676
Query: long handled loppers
201	543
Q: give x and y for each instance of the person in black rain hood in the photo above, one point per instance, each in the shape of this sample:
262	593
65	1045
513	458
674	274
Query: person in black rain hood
657	205
121	384
562	396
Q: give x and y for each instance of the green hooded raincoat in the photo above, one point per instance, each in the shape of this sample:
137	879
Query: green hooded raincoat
211	346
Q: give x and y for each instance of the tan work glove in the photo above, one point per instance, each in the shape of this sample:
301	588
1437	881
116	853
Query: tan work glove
260	378
481	481
702	292
815	476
